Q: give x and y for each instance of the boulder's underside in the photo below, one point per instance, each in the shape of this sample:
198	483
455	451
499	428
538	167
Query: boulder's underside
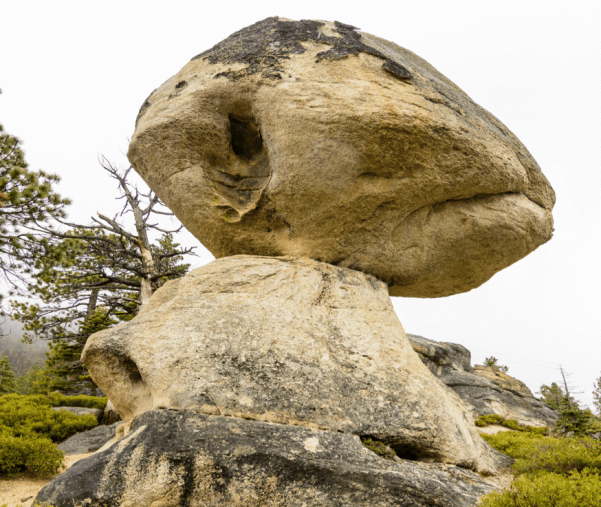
177	459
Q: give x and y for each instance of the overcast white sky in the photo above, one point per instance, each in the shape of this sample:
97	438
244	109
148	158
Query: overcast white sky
74	74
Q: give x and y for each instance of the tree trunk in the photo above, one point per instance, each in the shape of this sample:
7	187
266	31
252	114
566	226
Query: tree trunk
147	258
91	304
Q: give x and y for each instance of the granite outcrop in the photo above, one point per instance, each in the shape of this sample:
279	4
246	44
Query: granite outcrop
486	390
326	169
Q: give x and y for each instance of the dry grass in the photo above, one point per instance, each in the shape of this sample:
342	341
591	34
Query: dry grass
21	491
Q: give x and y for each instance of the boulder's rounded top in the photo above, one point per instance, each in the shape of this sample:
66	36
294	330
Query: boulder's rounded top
260	47
310	138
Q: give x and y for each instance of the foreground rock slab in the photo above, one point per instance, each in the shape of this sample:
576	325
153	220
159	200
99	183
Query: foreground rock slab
290	341
313	139
88	441
171	459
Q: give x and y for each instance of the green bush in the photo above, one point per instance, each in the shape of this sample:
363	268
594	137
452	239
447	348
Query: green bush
552	472
516	445
549	490
563	456
29	426
60	400
29	416
32	453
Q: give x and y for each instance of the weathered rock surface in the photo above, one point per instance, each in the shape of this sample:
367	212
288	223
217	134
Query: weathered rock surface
88	441
96	412
488	390
504	381
171	459
290	341
311	139
441	358
490	398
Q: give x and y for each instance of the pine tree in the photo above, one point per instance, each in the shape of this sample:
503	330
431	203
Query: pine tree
597	396
7	377
573	420
493	362
35	381
27	202
552	395
94	276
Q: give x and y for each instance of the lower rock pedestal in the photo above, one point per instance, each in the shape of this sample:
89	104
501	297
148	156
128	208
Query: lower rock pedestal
307	352
172	459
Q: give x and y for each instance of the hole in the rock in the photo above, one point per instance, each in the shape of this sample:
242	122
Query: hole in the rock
406	452
131	370
393	451
181	84
246	138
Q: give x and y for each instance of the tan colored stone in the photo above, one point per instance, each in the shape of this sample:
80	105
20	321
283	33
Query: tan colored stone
311	139
289	341
493	429
504	381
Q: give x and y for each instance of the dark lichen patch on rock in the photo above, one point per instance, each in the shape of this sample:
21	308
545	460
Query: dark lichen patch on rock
262	47
184	458
144	107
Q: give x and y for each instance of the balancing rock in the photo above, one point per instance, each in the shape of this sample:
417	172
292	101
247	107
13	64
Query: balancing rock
309	138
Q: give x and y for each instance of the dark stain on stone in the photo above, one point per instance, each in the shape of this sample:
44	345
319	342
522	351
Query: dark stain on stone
263	46
144	107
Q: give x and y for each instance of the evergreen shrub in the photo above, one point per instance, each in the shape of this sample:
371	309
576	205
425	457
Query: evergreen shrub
549	490
552	472
29	429
34	454
517	445
33	416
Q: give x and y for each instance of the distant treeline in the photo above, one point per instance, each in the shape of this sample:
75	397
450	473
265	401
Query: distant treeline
21	356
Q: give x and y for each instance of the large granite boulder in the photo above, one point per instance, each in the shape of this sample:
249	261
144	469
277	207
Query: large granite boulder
172	459
487	390
309	138
290	341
